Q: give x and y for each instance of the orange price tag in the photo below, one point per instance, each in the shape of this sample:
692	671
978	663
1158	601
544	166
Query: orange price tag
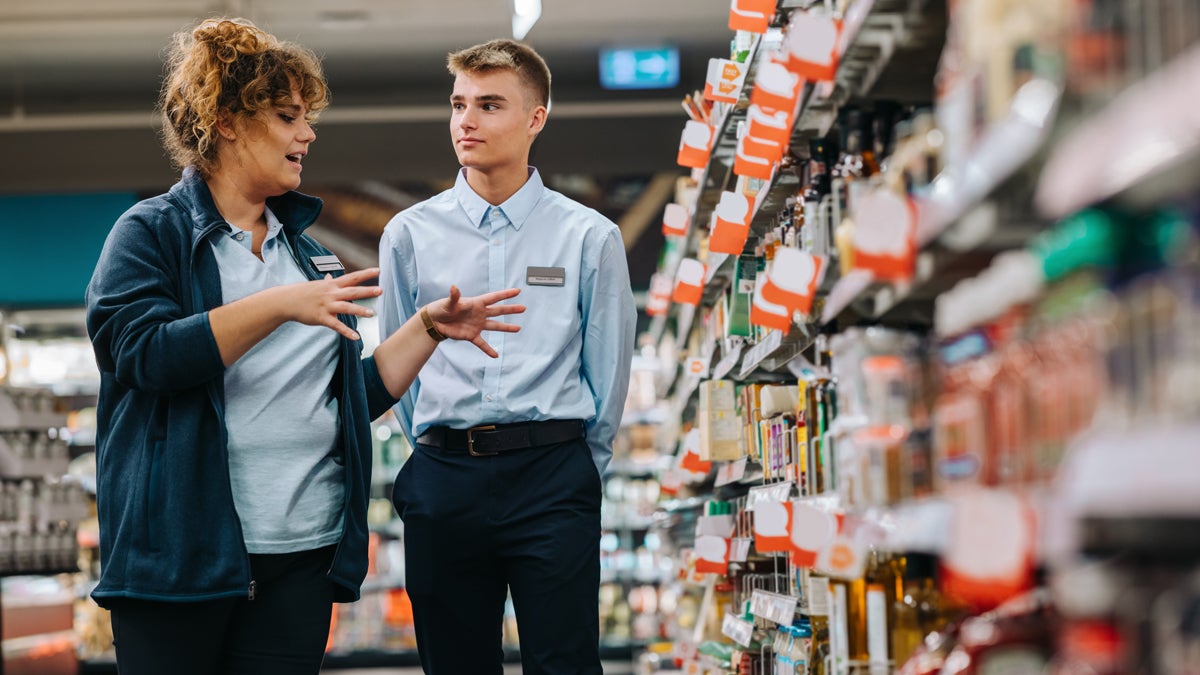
751	15
885	235
690	458
724	81
776	87
793	279
675	220
659	299
772	521
812	41
712	554
756	158
689	282
812	530
768	314
731	224
695	143
845	556
990	550
769	125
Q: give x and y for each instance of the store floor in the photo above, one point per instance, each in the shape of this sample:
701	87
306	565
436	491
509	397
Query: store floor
610	668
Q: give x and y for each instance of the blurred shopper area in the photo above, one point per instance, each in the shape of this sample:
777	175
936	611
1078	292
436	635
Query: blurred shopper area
917	382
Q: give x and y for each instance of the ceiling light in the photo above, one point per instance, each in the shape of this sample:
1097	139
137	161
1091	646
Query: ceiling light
344	20
525	14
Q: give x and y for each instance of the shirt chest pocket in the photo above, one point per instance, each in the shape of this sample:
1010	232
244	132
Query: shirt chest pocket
551	296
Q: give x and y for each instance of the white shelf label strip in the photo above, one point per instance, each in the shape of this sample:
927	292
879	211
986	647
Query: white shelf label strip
773	607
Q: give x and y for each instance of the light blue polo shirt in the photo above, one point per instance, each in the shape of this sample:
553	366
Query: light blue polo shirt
280	412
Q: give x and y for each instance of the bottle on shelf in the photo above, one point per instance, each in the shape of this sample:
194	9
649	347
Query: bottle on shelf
815	236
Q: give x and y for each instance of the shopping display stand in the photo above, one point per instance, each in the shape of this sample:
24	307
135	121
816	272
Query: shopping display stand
38	522
996	235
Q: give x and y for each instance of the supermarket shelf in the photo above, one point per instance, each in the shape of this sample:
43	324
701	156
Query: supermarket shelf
630	577
41	571
719	172
774	352
678	505
956	198
955	194
1148	136
618	652
874	32
633	525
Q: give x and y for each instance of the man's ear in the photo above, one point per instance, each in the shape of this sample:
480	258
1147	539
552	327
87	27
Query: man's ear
537	120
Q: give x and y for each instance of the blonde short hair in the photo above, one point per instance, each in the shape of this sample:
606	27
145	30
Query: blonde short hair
505	54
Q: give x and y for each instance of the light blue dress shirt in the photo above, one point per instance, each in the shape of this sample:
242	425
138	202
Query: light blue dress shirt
571	358
280	412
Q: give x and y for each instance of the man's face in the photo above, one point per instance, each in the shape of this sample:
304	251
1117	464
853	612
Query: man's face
492	121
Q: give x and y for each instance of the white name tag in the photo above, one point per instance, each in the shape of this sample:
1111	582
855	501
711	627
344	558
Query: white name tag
327	263
545	276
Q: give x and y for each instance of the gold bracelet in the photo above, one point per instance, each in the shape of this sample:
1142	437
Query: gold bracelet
429	327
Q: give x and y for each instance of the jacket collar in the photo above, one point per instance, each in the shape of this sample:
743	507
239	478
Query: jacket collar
295	210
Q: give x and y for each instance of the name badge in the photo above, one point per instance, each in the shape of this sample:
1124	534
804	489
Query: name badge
327	263
545	276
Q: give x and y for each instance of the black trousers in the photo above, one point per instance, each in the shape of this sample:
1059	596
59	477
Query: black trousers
283	631
525	521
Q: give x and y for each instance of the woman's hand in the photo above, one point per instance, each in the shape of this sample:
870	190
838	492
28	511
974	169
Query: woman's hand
318	303
466	318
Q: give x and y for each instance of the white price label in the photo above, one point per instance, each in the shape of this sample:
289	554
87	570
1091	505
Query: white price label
716	526
731	472
773	607
727	363
775	492
737	629
739	549
760	351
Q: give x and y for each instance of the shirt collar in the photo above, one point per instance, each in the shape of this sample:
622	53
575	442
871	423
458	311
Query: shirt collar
517	207
273	226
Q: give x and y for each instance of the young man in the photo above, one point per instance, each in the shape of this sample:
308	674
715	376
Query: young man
503	491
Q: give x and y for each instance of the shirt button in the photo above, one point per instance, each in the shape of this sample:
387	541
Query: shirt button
488	397
240	236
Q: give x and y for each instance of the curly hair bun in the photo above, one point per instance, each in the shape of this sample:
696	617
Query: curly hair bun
230	37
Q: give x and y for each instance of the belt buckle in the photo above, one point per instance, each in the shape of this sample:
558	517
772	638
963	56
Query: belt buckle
471	441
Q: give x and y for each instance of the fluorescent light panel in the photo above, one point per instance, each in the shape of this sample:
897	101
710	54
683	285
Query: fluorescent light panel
525	14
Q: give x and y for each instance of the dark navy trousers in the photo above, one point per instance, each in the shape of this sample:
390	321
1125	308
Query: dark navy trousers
282	631
524	521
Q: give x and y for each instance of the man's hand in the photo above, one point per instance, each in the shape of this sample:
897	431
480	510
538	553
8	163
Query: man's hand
466	318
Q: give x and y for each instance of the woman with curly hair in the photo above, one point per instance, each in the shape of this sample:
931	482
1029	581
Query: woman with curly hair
233	421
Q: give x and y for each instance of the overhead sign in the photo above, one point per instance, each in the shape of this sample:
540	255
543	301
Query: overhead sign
639	68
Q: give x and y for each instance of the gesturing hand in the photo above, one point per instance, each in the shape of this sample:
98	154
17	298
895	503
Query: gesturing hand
318	303
466	318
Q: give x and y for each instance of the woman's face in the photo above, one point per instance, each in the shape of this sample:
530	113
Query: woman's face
266	152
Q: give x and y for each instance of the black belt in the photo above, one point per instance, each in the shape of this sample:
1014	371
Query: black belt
493	439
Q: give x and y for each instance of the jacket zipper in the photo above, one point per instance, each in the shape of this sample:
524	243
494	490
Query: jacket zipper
198	301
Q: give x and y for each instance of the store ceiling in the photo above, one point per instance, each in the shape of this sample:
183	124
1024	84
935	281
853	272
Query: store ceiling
78	79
